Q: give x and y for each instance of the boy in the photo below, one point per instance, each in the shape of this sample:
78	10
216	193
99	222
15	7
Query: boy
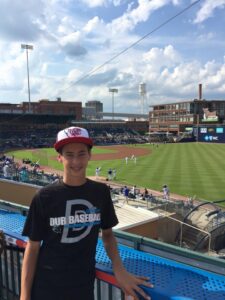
63	225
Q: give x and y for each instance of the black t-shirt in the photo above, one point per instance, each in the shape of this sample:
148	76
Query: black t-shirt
67	220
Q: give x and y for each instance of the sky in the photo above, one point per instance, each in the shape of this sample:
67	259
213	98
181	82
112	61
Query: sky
81	48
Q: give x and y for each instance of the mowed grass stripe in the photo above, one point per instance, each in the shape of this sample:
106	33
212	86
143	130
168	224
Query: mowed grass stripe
217	152
196	177
174	174
184	176
198	181
204	172
211	164
157	170
212	168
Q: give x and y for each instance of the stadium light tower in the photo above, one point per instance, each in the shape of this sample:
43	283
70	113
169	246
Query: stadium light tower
113	91
28	47
142	92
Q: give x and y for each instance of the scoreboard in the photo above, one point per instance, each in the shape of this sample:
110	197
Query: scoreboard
210	134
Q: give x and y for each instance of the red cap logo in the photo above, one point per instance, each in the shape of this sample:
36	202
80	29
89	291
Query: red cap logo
74	131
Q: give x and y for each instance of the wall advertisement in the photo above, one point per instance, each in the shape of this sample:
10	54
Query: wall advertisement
211	134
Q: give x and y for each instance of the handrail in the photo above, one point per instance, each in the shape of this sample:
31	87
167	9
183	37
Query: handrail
181	229
2	241
212	226
106	285
211	232
190	212
202	204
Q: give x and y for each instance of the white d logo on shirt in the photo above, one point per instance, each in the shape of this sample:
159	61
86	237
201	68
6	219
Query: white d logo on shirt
82	219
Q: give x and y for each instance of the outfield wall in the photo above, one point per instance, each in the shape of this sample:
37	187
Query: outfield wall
163	229
17	192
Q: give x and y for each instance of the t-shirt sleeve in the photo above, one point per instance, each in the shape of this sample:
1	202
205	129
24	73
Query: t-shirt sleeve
35	222
108	216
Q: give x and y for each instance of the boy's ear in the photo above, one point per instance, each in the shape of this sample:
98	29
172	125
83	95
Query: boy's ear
90	155
59	158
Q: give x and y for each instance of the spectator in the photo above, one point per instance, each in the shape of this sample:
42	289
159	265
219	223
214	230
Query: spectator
7	171
145	194
63	226
166	192
97	172
126	193
23	174
114	174
133	192
110	174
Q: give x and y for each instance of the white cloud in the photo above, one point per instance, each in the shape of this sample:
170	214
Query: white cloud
118	2
73	75
97	3
162	57
216	76
17	22
92	24
132	17
176	2
66	25
207	9
69	43
72	44
11	65
71	38
94	3
167	76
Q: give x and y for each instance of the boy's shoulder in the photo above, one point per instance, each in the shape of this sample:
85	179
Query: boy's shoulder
59	185
55	186
97	184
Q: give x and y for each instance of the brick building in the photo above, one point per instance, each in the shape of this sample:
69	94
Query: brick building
45	107
184	116
181	116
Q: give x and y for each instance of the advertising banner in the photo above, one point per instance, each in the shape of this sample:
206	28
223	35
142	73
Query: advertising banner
211	134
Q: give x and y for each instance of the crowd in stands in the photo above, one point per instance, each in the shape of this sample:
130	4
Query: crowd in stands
116	136
31	138
26	171
45	137
133	193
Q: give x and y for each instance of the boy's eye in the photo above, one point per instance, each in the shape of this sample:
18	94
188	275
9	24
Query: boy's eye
72	156
82	154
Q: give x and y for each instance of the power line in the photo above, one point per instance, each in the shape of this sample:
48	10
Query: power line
125	50
133	44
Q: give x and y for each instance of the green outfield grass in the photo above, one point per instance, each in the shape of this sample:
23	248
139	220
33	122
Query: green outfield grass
188	169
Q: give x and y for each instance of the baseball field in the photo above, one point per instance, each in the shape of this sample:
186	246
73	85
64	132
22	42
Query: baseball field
189	169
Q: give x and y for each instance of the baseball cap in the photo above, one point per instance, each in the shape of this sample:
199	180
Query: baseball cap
72	135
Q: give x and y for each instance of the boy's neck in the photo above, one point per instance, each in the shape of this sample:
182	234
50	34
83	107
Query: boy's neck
75	181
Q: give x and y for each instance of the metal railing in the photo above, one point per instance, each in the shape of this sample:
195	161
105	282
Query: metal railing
10	270
10	275
217	221
190	226
12	257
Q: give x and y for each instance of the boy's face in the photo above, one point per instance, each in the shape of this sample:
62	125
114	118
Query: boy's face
75	158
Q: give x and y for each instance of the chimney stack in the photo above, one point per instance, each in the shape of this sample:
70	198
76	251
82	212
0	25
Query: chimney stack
200	91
